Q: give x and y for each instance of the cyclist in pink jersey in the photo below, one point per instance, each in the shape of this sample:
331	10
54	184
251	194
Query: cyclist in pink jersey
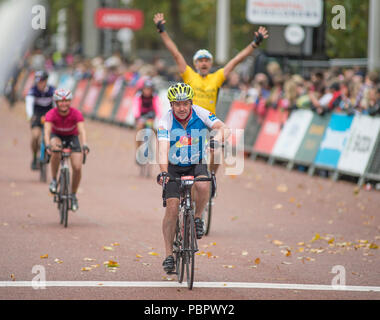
63	128
146	107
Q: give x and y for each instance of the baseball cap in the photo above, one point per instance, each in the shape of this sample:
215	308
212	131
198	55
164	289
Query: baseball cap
202	53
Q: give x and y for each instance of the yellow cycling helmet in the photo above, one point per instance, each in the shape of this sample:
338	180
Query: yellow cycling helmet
180	92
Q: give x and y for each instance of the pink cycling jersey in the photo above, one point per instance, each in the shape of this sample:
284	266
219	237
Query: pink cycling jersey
64	125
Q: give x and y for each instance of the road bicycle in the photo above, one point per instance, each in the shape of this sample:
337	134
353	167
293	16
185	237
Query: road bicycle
185	240
63	195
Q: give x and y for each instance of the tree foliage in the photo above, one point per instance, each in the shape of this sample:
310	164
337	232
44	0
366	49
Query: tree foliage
351	42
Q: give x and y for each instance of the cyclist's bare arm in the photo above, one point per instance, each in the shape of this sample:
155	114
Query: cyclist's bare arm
82	133
163	155
222	131
170	45
243	54
47	132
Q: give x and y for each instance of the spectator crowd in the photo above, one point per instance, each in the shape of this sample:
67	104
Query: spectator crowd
351	90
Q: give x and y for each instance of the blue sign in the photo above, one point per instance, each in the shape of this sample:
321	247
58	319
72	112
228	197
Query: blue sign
334	140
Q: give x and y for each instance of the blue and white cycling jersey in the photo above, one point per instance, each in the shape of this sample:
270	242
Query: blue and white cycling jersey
187	146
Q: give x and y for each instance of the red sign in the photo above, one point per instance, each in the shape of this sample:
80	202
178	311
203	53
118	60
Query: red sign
119	19
237	118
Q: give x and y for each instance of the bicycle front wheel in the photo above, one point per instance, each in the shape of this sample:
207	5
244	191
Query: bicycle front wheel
189	249
177	250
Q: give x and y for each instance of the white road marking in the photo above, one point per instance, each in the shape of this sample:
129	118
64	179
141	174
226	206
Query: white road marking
173	284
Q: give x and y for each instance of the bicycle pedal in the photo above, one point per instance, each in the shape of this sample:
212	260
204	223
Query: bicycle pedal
171	272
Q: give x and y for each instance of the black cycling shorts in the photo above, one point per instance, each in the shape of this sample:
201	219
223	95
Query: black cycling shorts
36	120
172	187
68	141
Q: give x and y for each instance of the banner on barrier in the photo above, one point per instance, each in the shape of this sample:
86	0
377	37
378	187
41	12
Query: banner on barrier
125	111
91	99
310	144
334	140
292	134
106	104
357	152
79	94
237	118
270	131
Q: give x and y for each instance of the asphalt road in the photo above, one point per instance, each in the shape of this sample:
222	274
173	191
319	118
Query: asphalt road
271	227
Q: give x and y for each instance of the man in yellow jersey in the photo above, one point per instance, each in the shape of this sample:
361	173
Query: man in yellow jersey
204	83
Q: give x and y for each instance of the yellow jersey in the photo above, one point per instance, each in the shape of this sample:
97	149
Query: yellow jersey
205	88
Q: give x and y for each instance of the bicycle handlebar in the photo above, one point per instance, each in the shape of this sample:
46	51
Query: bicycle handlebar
179	179
59	151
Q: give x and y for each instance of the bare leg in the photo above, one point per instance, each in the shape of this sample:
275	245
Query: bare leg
55	143
35	142
169	224
76	164
202	194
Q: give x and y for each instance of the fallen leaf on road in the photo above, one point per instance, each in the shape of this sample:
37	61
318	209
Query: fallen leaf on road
13	277
228	266
316	237
284	262
244	253
373	246
257	260
86	269
282	188
45	256
277	206
286	253
138	256
277	242
153	253
292	200
112	264
107	248
59	261
89	259
115	244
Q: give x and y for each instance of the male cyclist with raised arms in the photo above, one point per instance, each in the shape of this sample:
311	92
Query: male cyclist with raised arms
204	83
181	142
38	102
63	126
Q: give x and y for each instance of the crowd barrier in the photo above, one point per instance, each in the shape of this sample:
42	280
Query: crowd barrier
339	143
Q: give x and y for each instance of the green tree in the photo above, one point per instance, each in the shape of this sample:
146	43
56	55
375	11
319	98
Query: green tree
352	41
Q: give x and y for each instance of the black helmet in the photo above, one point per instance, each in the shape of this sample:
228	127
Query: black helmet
41	76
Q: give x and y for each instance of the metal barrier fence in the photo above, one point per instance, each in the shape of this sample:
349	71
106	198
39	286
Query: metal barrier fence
338	143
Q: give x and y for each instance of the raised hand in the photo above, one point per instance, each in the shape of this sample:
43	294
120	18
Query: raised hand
260	35
159	21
